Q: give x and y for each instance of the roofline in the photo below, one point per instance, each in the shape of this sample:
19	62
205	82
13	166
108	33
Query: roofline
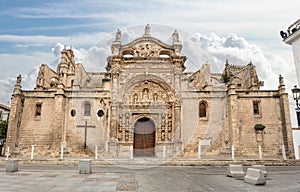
5	107
140	39
290	39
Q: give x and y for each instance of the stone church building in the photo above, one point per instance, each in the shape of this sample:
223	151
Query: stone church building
146	105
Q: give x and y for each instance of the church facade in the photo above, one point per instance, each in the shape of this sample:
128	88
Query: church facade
145	105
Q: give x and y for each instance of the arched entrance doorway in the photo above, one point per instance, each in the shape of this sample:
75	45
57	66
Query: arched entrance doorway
144	138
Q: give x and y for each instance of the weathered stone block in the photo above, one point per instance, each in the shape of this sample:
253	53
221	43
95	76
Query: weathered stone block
85	166
255	177
12	166
235	171
261	167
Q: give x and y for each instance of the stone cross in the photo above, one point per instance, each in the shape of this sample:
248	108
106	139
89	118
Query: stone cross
85	131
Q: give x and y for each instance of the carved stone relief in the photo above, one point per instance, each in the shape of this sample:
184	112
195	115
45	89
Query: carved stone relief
148	92
146	49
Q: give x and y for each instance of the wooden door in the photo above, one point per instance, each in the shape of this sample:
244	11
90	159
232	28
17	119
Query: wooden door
144	138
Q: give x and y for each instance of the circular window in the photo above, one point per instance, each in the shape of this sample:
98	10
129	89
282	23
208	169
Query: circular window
73	112
100	113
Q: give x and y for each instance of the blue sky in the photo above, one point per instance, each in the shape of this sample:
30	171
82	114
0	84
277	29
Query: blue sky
31	28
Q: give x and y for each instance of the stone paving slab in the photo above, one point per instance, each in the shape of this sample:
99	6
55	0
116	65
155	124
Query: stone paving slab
161	179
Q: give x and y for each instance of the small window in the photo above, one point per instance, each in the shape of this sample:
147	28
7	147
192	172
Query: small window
128	56
202	109
100	113
164	56
256	108
87	109
73	112
38	110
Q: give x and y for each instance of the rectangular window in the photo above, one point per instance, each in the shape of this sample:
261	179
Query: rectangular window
256	108
298	118
38	109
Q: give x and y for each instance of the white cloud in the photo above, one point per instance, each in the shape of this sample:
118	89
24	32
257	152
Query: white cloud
199	48
81	39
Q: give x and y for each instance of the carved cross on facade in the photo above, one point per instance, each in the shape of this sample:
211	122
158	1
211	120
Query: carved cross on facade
85	131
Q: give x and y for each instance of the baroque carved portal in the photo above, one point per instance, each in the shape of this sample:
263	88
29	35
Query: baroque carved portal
150	100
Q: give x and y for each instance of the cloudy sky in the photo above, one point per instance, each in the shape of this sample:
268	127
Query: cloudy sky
32	32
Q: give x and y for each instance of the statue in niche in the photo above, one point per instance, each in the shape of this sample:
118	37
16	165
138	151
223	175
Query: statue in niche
146	95
163	135
163	121
126	135
155	97
135	98
120	137
120	122
170	125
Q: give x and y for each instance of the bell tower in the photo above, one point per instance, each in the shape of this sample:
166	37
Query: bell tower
66	65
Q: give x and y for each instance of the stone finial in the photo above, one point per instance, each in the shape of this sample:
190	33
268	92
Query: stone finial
176	43
19	79
147	31
227	62
118	35
115	47
281	82
281	86
17	89
175	36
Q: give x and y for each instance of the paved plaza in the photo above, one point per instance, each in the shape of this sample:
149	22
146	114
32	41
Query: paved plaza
50	178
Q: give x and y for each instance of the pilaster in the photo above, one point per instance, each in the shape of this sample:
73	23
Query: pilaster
14	122
59	128
232	112
286	120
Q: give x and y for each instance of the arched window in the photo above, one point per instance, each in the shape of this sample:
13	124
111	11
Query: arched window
87	109
202	109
